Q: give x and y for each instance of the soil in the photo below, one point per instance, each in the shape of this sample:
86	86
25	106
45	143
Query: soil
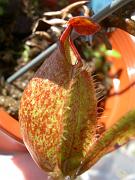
10	93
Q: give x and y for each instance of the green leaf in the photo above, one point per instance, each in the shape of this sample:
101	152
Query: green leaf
119	134
113	53
25	53
102	48
1	11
